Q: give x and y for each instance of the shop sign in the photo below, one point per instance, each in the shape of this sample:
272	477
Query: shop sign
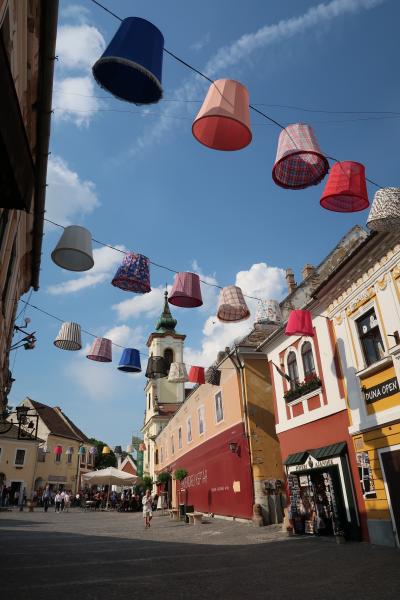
57	479
382	390
315	464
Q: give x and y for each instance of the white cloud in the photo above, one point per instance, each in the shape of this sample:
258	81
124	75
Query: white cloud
201	43
79	46
68	197
106	261
128	337
148	305
76	12
74	100
235	53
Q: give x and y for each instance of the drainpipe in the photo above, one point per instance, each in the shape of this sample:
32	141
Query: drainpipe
77	469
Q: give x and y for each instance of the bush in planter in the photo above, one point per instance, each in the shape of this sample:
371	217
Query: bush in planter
180	474
163	477
303	388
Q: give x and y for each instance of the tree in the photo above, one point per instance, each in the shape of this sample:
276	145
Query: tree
102	461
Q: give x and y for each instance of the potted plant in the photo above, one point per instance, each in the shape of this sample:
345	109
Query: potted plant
180	474
163	477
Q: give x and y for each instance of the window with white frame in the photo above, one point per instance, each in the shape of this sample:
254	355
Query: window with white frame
293	370
189	429
19	457
180	437
219	409
308	360
370	337
202	425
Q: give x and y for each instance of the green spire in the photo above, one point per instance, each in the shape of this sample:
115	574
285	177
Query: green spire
166	322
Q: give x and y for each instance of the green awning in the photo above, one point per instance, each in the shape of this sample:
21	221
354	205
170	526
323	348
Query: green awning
329	451
296	459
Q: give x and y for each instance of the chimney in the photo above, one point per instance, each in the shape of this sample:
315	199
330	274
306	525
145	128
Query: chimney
290	280
307	271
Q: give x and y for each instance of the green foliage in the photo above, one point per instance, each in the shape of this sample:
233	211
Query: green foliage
147	482
102	461
136	441
180	474
163	477
302	389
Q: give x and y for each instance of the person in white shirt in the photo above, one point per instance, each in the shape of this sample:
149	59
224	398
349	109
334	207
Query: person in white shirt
67	501
147	502
57	501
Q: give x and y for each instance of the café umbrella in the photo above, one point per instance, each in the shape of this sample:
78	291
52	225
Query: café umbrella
109	476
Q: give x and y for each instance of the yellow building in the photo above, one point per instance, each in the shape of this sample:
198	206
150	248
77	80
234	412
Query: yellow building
27	48
363	302
17	466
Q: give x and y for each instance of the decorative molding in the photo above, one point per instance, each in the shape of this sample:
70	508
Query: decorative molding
360	300
382	283
339	319
396	272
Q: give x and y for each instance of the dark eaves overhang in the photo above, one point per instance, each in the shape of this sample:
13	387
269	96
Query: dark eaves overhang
47	45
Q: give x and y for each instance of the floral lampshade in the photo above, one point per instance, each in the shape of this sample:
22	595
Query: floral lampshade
130	448
385	210
346	188
101	350
177	373
69	450
93	450
133	275
197	375
186	291
142	447
299	323
232	307
268	311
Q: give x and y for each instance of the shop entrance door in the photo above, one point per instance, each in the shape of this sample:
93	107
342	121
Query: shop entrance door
391	466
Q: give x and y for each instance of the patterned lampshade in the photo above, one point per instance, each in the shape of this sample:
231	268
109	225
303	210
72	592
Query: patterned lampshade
346	188
299	161
197	375
157	367
223	122
213	376
299	323
74	249
385	210
69	337
142	447
93	450
130	448
134	274
186	291
268	311
130	361
131	65
232	306
177	373
101	350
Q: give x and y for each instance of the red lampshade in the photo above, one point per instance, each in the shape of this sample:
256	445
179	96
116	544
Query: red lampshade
58	450
299	323
346	188
101	350
186	291
223	122
197	375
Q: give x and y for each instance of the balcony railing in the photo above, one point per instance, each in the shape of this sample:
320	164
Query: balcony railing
302	389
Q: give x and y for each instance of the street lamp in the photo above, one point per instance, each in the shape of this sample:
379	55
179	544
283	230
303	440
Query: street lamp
22	413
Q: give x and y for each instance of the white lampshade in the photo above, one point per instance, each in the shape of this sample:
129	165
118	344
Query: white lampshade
69	337
74	249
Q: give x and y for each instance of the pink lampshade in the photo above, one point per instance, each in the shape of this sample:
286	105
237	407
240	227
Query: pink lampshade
57	449
299	323
223	122
197	375
186	291
346	188
232	306
101	350
299	161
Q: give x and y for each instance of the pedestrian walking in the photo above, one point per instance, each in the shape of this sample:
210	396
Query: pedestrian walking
147	502
62	496
67	501
46	499
58	502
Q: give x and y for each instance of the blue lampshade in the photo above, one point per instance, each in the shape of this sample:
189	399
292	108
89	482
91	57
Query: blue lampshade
131	65
130	361
82	451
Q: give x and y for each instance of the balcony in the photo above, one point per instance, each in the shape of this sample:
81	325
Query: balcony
303	389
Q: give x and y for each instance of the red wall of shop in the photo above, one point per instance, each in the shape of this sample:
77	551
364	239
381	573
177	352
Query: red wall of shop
324	432
212	469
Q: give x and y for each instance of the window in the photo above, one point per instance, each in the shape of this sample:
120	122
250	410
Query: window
149	400
293	370
370	337
308	359
69	458
90	460
219	410
200	412
169	356
20	457
10	271
156	457
189	429
180	437
172	445
58	458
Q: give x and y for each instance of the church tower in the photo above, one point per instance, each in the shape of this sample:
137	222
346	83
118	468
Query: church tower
162	397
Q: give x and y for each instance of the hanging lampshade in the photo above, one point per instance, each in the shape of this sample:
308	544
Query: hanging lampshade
101	350
346	188
299	161
186	291
223	122
82	451
232	306
130	361
131	65
268	311
385	210
134	274
93	450
197	375
157	367
299	323
142	447
69	337
130	448
74	249
69	450
177	373
213	376
106	450
58	450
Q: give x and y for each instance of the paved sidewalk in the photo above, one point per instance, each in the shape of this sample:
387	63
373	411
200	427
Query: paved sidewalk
109	556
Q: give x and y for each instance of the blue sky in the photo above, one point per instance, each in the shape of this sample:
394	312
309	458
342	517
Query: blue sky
142	182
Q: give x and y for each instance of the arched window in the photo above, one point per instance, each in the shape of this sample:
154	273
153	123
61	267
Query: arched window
293	370
308	359
169	356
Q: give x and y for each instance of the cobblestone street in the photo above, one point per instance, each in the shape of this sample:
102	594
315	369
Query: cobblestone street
110	555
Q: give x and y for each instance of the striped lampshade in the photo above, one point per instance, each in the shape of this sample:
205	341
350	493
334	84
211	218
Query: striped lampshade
69	337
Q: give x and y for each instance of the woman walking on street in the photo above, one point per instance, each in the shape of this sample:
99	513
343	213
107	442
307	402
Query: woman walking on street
147	502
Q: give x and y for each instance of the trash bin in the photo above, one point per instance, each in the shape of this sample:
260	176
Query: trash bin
182	512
